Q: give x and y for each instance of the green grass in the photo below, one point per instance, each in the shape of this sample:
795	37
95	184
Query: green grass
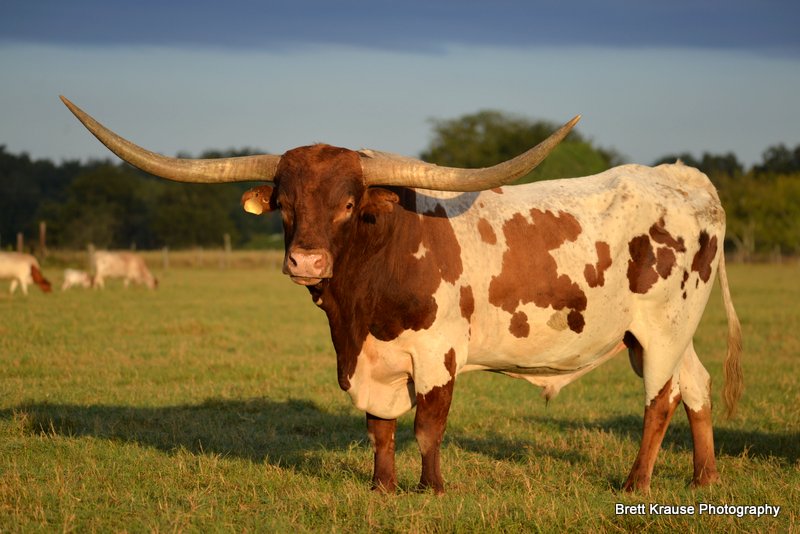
212	405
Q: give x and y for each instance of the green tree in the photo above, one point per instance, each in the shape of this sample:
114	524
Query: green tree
779	159
488	137
103	206
188	215
715	166
25	185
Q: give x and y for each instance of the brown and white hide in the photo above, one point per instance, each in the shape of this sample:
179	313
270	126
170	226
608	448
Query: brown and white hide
23	270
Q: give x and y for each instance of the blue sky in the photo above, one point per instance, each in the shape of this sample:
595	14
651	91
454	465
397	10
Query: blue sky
649	78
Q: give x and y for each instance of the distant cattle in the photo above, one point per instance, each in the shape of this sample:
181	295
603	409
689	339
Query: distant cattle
23	269
126	265
76	278
427	272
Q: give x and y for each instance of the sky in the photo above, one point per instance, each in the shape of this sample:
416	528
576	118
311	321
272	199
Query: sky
649	78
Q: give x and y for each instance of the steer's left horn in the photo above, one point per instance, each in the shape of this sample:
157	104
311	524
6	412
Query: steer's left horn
207	171
381	168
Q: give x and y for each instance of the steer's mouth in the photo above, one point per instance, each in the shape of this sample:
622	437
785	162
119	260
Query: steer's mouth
305	281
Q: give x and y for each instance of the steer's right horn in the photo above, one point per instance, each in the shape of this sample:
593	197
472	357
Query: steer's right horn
381	168
207	171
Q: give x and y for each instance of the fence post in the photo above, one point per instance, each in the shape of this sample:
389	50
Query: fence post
226	254
20	242
43	238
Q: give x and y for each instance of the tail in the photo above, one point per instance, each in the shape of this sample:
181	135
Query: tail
40	280
732	371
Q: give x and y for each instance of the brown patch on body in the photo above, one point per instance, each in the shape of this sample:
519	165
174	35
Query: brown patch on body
450	362
530	273
665	261
576	321
519	326
641	267
467	302
487	232
558	321
701	263
659	234
647	264
497	190
683	282
595	274
439	238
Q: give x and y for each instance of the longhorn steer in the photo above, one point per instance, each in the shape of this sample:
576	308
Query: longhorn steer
542	282
126	265
23	269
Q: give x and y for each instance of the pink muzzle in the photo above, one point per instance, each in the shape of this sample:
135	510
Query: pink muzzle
308	267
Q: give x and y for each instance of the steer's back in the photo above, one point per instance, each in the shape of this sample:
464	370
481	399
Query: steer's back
112	264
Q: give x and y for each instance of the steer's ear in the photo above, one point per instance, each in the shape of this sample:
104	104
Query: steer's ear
258	200
377	200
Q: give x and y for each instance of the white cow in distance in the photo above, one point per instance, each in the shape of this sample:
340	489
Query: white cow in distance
126	265
76	278
23	269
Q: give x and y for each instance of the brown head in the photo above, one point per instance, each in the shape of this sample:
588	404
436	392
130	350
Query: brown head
321	190
40	280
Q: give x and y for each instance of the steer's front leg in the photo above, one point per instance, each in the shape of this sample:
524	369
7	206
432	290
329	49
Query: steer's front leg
429	426
381	434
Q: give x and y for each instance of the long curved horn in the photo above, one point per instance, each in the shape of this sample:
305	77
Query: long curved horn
381	168
206	171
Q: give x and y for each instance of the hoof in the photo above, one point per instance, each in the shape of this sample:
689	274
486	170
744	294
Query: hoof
707	478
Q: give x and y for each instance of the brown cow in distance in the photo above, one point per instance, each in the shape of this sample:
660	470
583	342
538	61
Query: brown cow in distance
426	272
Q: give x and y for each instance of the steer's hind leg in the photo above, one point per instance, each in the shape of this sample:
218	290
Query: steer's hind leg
658	369
381	434
657	415
695	384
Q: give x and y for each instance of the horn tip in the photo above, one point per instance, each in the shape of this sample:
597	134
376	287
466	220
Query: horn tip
67	102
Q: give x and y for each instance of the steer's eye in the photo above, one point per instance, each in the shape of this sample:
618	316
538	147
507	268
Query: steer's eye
349	206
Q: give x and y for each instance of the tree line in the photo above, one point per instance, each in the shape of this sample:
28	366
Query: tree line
113	205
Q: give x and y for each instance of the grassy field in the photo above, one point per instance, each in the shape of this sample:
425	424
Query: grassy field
212	405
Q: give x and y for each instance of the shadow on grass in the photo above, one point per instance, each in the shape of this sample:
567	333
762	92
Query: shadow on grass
256	429
295	433
784	446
